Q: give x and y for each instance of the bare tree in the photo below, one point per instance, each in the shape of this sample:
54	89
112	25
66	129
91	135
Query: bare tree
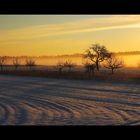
113	63
16	62
60	66
90	68
97	53
2	61
69	64
30	63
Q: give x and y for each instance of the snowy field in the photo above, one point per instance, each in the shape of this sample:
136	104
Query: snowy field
44	101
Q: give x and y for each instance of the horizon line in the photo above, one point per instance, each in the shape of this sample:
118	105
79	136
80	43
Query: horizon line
74	54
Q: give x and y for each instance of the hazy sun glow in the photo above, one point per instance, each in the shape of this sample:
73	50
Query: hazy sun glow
37	35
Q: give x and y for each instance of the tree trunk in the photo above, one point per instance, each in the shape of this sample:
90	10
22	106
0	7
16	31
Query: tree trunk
112	71
97	65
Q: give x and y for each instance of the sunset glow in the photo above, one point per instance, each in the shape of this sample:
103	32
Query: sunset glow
70	70
67	34
37	35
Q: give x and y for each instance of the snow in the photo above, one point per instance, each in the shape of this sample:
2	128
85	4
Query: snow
45	101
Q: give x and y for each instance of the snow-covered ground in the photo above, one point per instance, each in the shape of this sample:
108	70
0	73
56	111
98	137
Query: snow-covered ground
44	101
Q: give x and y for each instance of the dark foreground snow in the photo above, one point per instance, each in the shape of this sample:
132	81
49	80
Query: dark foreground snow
41	101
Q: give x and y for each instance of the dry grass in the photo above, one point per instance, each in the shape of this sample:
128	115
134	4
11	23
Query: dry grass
126	74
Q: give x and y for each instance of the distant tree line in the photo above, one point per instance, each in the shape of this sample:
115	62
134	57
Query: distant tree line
29	62
96	57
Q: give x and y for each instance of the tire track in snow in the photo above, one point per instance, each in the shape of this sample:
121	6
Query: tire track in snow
59	102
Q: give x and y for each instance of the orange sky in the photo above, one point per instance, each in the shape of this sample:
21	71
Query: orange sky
67	34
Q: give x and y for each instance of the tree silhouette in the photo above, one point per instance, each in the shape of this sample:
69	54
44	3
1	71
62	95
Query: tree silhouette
113	63
90	68
69	64
2	61
30	63
97	53
16	63
60	66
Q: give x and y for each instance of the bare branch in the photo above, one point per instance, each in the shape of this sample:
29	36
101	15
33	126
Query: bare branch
113	63
69	64
16	62
60	66
2	61
97	53
30	62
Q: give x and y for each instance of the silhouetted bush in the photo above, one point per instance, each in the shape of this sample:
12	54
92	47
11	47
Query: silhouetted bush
30	63
2	61
60	66
90	68
16	63
68	64
113	63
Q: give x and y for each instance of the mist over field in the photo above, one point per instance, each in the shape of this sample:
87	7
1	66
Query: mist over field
69	70
130	60
41	96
